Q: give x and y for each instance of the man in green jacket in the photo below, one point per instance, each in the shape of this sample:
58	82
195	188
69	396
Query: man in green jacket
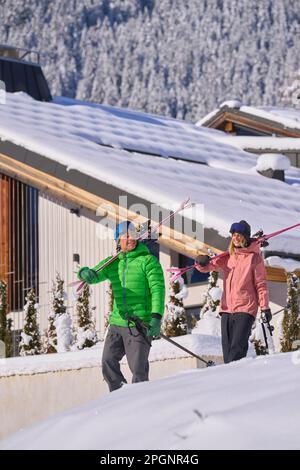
139	291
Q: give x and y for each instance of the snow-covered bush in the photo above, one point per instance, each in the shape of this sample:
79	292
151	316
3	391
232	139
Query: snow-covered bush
58	337
86	334
30	337
5	324
175	322
210	321
291	317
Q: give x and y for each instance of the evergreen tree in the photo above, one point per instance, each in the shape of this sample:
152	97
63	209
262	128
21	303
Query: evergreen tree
210	321
5	323
159	56
175	321
31	342
58	296
58	308
61	319
86	333
50	338
9	339
291	317
3	310
213	295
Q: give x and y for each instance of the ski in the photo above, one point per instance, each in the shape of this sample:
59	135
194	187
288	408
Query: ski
261	239
184	205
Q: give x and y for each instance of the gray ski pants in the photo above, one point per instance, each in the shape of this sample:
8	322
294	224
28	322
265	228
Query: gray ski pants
119	342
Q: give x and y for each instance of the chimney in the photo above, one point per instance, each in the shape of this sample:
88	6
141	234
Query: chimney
20	70
273	165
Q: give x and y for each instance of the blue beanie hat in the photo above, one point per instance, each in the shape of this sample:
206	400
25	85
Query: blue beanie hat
124	227
242	227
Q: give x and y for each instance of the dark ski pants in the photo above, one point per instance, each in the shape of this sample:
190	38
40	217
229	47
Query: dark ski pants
119	341
236	329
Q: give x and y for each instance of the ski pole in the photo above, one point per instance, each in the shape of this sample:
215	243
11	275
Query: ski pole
278	311
208	363
265	336
264	320
141	328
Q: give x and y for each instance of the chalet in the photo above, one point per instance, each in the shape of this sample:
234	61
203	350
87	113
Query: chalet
258	130
68	168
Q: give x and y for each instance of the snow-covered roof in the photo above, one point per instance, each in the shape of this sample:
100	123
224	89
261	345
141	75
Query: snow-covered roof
286	144
91	138
286	117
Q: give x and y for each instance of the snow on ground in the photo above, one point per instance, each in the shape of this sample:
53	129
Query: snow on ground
91	357
249	404
92	138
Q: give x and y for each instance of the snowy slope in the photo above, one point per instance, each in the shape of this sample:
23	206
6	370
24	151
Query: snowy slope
91	357
250	404
77	135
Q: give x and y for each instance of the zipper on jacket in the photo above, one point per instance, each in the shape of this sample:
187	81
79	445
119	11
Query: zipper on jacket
230	283
124	284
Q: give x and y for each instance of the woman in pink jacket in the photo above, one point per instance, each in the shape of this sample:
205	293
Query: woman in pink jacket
244	289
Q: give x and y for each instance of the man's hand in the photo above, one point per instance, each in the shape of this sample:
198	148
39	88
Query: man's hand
154	325
266	315
88	275
203	260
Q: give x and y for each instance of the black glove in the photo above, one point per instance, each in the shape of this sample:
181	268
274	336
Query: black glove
266	315
203	260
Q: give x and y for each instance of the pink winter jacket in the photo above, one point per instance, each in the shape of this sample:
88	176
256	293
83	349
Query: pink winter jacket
245	285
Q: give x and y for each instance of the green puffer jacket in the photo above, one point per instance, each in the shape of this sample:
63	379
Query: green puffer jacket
138	285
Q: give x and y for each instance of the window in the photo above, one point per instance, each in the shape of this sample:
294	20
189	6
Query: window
19	239
193	276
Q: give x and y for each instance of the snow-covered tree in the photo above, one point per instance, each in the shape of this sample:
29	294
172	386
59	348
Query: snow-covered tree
9	338
58	337
3	310
291	317
159	56
86	334
63	325
5	323
61	319
175	321
50	336
30	337
210	321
